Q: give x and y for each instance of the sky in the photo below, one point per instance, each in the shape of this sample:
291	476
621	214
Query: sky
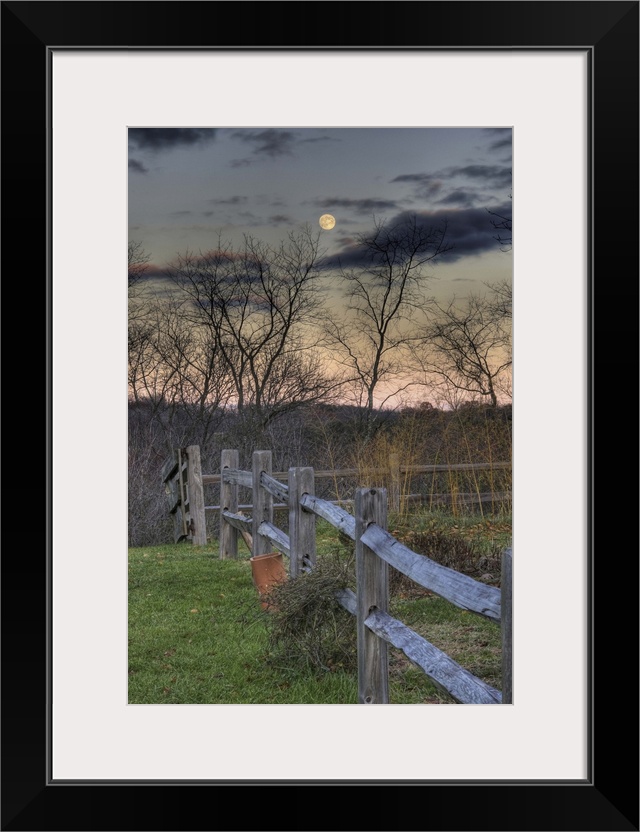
188	185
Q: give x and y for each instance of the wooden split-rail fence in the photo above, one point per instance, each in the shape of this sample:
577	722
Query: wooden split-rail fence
376	549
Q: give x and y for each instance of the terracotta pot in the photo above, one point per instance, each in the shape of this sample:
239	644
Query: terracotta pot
267	571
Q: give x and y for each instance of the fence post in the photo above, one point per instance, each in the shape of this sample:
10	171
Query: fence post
506	607
197	522
394	492
302	524
262	503
372	589
228	502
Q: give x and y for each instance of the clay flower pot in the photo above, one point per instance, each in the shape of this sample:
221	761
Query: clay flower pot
267	571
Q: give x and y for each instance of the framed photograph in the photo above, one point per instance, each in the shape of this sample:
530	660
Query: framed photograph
562	78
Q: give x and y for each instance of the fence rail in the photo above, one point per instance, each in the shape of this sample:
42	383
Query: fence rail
375	548
395	476
214	479
183	481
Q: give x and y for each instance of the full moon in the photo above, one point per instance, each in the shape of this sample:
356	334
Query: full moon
327	221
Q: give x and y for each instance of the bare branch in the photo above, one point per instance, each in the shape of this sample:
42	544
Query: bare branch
384	294
467	346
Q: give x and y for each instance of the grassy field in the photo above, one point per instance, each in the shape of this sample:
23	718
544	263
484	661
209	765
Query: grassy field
198	633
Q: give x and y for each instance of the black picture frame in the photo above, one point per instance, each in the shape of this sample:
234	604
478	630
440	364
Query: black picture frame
608	799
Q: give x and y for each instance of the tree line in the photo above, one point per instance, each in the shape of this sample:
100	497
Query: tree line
238	345
266	330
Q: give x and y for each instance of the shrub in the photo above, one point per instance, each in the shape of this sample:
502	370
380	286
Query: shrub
450	549
308	628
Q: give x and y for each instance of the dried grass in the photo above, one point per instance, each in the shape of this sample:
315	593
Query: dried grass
307	626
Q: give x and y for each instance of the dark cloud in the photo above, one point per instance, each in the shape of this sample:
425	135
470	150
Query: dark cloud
361	206
275	219
154	272
469	231
346	242
137	166
416	177
500	144
427	186
165	138
503	140
232	200
461	197
320	139
498	175
432	189
445	187
494	174
271	143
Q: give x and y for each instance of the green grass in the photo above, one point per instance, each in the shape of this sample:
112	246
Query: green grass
198	634
471	641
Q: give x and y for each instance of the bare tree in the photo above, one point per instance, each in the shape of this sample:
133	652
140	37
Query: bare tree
503	225
137	266
384	293
256	306
500	299
138	263
466	347
177	373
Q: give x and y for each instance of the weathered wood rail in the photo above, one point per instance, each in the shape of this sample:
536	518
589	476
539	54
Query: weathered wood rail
376	549
397	476
182	477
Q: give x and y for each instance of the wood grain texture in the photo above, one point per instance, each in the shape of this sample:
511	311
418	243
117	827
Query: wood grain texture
277	489
276	537
338	517
506	584
170	467
446	674
262	501
302	524
197	517
372	592
229	459
460	589
235	476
